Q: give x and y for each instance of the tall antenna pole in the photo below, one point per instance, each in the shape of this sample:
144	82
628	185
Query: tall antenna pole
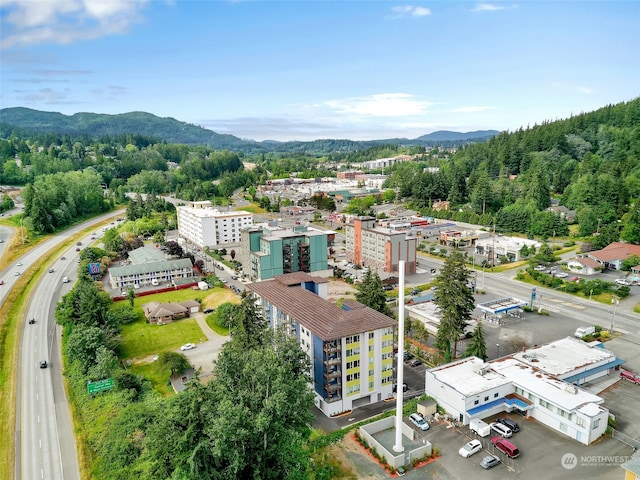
398	447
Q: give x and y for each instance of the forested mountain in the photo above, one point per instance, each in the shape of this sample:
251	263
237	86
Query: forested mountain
589	163
25	121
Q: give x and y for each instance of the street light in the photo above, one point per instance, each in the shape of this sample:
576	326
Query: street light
497	350
614	301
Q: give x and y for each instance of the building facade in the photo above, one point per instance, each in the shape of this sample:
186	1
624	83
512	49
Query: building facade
540	383
266	253
148	266
350	346
378	248
204	226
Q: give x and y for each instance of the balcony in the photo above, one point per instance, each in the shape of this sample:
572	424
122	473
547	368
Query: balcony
330	347
333	361
332	387
333	374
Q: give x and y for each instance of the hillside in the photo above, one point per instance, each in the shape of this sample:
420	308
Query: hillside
170	130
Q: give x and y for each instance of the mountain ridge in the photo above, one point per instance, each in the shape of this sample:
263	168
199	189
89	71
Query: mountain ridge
171	130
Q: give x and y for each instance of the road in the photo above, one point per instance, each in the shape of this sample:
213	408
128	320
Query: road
45	446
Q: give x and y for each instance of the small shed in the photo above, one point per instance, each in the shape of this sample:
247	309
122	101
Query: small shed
427	407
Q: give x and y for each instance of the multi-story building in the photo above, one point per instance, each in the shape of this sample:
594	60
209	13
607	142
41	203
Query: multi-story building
350	346
204	226
148	266
378	248
540	383
266	253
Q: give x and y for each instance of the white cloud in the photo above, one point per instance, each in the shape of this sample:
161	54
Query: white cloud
487	7
379	105
65	21
472	109
411	10
586	90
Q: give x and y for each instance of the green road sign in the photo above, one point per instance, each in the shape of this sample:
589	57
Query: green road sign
100	385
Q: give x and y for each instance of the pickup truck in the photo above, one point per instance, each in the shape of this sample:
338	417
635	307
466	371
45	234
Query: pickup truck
630	376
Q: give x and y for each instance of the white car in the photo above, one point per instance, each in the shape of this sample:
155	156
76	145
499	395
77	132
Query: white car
540	268
562	275
468	449
187	346
500	429
419	421
622	281
18	264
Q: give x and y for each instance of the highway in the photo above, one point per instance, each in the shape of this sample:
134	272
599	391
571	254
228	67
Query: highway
45	445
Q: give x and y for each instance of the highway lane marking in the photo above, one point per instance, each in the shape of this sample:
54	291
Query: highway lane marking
38	418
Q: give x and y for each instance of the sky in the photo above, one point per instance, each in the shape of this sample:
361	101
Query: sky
306	70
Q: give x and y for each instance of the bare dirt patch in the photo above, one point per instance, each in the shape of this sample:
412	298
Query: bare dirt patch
339	289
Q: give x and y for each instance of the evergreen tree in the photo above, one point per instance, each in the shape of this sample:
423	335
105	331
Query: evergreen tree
371	293
477	347
455	303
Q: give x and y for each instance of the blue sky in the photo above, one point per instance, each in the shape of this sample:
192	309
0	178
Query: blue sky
304	70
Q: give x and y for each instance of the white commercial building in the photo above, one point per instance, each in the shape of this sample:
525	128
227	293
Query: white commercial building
540	383
204	226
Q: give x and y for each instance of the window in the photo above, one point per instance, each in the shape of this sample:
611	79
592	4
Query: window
353	351
371	335
354	364
476	402
581	422
486	399
596	423
563	427
353	376
495	395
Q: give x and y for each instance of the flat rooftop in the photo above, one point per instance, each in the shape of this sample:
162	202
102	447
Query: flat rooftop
463	376
564	356
545	386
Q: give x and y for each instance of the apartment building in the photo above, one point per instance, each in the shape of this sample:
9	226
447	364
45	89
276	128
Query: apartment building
350	346
380	248
266	252
147	266
540	383
204	226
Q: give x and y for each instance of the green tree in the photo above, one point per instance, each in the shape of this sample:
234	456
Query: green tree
371	293
248	323
455	302
478	345
173	362
631	230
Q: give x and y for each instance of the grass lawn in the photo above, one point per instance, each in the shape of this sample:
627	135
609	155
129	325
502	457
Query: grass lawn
152	372
140	339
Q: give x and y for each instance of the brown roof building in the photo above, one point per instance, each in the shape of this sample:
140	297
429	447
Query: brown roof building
612	255
350	346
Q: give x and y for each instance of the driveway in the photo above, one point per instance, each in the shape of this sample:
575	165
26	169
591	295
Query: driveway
205	353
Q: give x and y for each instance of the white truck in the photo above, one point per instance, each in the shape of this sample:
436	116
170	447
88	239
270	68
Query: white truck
479	427
203	286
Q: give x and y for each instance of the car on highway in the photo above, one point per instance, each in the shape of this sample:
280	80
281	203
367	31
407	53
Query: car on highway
187	346
77	249
51	270
489	461
32	321
19	264
470	448
43	364
17	274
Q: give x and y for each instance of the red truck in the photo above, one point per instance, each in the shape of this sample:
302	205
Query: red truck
632	377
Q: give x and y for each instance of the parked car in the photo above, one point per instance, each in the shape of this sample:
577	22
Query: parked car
540	268
187	346
489	461
622	281
630	376
506	447
562	275
507	422
419	421
209	310
501	429
405	387
415	362
574	279
469	448
407	356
